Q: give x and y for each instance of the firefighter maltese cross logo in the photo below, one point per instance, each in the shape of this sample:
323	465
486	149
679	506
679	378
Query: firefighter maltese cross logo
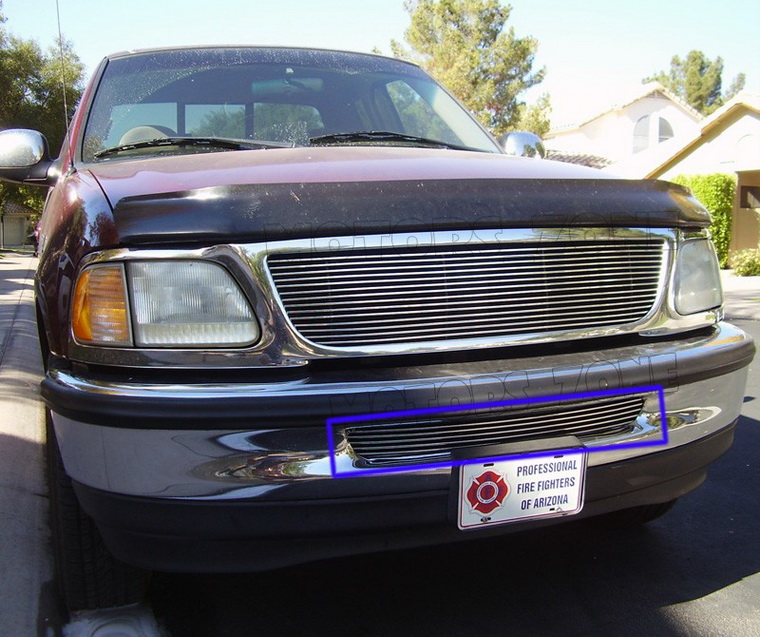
487	492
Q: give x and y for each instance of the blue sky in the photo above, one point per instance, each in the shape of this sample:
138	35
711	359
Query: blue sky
594	51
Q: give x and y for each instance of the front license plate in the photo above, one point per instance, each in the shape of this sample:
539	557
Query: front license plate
522	488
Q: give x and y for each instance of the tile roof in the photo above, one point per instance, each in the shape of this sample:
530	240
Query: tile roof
582	159
14	207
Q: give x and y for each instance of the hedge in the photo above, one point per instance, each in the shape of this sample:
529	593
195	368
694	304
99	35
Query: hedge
746	262
716	193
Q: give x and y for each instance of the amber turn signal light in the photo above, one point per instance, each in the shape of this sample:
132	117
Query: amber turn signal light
100	313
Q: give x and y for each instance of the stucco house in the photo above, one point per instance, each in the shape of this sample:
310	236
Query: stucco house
653	134
649	116
727	141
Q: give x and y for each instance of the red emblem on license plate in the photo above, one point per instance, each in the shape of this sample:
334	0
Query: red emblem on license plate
487	492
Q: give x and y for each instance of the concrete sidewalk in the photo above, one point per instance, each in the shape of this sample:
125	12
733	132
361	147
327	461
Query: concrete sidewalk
27	602
742	296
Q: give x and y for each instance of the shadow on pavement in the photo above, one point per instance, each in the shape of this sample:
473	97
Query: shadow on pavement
573	580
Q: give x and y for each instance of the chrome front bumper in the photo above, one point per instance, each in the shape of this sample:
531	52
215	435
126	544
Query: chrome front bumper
268	441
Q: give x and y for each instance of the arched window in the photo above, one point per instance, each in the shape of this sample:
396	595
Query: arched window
650	130
666	130
641	134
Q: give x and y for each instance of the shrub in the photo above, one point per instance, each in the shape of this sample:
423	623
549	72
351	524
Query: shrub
746	262
716	193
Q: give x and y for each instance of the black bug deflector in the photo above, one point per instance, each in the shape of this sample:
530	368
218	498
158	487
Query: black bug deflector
269	212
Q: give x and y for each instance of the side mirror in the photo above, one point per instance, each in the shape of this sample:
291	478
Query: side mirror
522	144
24	156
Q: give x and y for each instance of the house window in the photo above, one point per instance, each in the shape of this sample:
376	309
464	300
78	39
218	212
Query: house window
641	134
666	130
750	197
648	129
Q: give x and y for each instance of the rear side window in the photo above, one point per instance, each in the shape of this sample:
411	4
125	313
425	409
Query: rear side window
215	120
286	122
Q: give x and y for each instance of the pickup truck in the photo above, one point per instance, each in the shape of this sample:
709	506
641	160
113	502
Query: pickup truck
298	304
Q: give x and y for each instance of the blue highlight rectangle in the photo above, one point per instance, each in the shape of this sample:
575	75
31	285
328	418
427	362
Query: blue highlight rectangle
365	418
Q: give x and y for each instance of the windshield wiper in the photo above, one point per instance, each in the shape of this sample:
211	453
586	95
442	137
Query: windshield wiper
203	142
360	137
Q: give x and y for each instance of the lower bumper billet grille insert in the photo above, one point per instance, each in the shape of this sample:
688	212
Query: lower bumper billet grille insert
435	436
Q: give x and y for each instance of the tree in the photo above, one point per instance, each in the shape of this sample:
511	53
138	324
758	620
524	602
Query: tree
33	84
536	117
698	81
464	45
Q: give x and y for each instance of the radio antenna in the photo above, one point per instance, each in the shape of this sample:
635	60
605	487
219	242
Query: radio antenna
63	67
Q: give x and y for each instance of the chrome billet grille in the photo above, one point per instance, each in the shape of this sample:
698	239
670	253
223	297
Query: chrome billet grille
375	297
435	436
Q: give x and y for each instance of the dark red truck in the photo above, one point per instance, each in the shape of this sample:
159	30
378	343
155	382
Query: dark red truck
296	304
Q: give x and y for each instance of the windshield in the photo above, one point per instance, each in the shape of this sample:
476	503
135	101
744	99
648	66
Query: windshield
275	97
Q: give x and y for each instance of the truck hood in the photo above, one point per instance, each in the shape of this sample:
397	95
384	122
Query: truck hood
264	195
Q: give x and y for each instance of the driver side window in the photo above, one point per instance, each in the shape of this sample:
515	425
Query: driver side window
416	115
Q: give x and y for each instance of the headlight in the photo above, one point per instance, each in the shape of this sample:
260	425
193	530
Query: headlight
171	304
697	278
